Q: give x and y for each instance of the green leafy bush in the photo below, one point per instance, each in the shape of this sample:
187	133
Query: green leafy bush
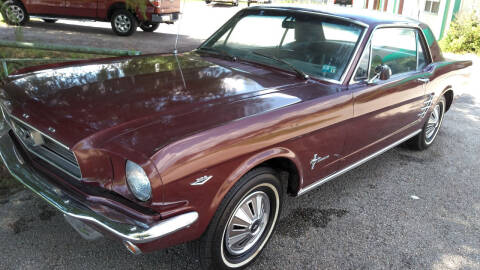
463	35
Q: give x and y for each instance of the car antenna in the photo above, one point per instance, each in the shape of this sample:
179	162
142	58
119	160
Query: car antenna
175	51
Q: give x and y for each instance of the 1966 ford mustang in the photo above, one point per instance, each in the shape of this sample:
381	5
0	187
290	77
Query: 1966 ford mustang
201	147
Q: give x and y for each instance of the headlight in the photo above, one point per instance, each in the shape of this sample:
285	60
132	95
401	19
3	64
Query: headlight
138	182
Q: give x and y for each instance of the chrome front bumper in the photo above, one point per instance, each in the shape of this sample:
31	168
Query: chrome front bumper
39	184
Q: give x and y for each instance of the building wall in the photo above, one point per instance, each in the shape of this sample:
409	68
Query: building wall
439	22
468	5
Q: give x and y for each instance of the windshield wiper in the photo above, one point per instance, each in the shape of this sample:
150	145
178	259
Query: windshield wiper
220	52
300	73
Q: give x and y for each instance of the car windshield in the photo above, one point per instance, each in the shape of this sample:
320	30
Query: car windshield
320	46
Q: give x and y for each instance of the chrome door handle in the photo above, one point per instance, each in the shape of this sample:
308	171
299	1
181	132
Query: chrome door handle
423	80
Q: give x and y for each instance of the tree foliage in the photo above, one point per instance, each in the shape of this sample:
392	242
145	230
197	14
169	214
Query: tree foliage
463	35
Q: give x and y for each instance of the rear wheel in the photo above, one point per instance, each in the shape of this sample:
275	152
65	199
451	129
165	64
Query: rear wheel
123	22
149	26
431	127
14	13
243	222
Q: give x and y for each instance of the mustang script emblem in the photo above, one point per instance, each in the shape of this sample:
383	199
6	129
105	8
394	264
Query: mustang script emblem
316	159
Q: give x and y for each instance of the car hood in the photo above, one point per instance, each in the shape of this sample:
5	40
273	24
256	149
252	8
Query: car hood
152	98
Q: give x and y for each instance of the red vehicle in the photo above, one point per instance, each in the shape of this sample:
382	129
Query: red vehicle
235	2
201	147
124	15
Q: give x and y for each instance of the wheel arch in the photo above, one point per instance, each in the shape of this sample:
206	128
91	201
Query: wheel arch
13	1
282	160
448	94
116	6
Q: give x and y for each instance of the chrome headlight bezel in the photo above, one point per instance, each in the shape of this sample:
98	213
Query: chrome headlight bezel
137	181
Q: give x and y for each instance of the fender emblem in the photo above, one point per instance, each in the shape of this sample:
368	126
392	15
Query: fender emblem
202	180
316	159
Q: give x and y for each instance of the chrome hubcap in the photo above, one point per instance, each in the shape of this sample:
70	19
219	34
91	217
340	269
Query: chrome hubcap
122	23
433	124
248	222
15	13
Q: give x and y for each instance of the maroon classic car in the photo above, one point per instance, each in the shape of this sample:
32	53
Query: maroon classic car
124	15
202	146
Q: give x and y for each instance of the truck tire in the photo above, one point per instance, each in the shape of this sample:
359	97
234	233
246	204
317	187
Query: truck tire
123	22
14	13
149	26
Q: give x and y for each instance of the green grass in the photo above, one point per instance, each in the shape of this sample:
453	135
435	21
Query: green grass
43	56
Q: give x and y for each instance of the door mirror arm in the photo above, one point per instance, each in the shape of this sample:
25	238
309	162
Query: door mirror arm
382	72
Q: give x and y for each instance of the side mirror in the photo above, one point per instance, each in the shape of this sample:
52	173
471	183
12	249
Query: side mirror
382	72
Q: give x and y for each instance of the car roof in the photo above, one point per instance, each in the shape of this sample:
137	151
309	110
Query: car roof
365	16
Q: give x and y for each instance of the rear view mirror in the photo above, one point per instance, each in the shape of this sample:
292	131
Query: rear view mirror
288	24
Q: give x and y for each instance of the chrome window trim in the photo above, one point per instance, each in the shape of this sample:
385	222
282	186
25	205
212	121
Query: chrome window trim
398	25
354	165
318	13
49	137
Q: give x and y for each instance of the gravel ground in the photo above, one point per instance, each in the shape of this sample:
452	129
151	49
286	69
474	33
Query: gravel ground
402	210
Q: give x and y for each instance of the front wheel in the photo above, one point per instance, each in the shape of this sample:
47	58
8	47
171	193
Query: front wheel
123	22
14	13
243	222
149	26
431	127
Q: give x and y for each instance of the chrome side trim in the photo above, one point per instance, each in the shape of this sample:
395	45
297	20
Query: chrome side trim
354	165
69	206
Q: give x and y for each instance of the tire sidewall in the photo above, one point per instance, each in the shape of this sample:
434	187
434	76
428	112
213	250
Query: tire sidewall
267	182
7	20
133	19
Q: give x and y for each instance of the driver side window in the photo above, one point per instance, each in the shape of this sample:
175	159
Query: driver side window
399	48
395	47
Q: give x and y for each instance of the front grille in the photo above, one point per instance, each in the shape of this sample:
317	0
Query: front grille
46	148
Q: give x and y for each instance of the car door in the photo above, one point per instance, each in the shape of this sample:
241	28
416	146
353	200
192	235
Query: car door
81	8
384	110
45	7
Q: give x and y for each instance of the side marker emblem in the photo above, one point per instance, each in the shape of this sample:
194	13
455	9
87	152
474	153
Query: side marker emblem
202	180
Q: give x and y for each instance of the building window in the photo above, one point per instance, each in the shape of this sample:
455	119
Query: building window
432	6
